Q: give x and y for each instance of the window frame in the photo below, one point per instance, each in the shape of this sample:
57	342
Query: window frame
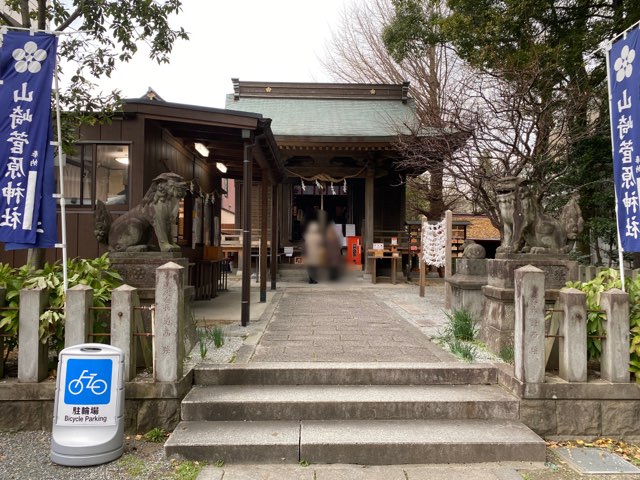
92	146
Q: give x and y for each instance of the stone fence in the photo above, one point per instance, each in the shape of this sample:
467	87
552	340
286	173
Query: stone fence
530	331
571	403
150	402
167	326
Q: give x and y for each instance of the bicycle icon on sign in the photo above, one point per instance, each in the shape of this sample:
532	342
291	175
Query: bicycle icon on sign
77	385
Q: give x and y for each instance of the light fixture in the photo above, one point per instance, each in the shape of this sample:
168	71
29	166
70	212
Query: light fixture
123	160
201	149
221	166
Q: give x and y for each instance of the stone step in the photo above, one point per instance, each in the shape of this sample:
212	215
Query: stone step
321	373
348	402
377	442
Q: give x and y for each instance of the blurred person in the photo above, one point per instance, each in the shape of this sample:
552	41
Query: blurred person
334	252
314	250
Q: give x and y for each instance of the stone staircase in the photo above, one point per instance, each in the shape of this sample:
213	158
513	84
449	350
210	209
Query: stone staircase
374	414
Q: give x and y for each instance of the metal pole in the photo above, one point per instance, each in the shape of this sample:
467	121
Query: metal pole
61	180
620	251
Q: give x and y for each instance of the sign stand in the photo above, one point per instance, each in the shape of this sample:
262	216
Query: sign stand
88	416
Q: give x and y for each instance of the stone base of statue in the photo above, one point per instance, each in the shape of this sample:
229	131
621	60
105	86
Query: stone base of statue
498	314
466	285
138	269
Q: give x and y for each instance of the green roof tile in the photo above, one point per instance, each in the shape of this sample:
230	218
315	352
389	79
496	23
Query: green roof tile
330	117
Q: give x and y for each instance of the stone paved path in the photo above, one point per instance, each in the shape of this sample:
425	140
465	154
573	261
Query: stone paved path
351	323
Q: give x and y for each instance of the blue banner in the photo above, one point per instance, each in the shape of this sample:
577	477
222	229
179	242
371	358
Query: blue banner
624	82
26	73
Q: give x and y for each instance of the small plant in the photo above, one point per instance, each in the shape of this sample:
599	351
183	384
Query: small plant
219	464
304	463
203	341
218	336
465	351
506	354
156	435
187	470
461	326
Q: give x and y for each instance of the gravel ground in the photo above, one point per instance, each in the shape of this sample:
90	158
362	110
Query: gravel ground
25	456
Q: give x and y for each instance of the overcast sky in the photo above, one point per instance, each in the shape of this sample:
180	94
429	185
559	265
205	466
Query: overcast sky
277	40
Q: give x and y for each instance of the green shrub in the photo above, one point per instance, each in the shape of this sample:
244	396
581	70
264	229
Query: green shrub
95	273
606	280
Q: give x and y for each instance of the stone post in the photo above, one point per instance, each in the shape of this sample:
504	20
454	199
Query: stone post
573	331
78	315
529	324
590	273
124	299
167	340
32	353
614	363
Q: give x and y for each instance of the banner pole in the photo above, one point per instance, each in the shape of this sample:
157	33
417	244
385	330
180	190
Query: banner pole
61	180
615	191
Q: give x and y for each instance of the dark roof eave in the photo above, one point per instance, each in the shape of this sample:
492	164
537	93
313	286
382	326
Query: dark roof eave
186	113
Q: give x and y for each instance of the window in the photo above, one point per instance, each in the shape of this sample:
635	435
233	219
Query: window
96	172
112	174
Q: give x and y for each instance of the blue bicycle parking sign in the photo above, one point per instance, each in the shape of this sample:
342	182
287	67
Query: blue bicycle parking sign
88	381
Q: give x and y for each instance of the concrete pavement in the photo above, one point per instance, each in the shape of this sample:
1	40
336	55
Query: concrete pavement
490	471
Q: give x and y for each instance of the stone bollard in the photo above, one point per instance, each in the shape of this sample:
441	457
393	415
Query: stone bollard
167	340
614	363
573	331
124	299
529	324
77	325
32	353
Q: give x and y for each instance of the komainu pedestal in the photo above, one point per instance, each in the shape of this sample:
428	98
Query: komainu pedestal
498	319
466	285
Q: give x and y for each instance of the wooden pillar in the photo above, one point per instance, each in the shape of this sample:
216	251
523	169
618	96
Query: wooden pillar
448	270
247	176
368	215
274	234
264	193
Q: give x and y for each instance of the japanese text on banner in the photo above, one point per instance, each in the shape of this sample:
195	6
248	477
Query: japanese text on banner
26	72
624	80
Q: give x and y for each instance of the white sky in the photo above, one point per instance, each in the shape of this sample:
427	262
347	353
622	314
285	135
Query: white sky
276	40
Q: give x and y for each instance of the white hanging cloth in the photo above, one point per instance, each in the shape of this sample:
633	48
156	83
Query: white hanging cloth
434	243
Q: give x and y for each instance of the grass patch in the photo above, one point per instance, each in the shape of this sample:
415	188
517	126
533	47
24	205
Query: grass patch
156	435
132	465
219	464
463	350
187	470
304	463
461	326
217	336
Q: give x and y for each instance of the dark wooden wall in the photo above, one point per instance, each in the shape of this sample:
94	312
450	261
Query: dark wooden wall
152	151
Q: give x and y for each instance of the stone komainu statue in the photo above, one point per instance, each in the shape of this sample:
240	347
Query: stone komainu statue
132	232
526	229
